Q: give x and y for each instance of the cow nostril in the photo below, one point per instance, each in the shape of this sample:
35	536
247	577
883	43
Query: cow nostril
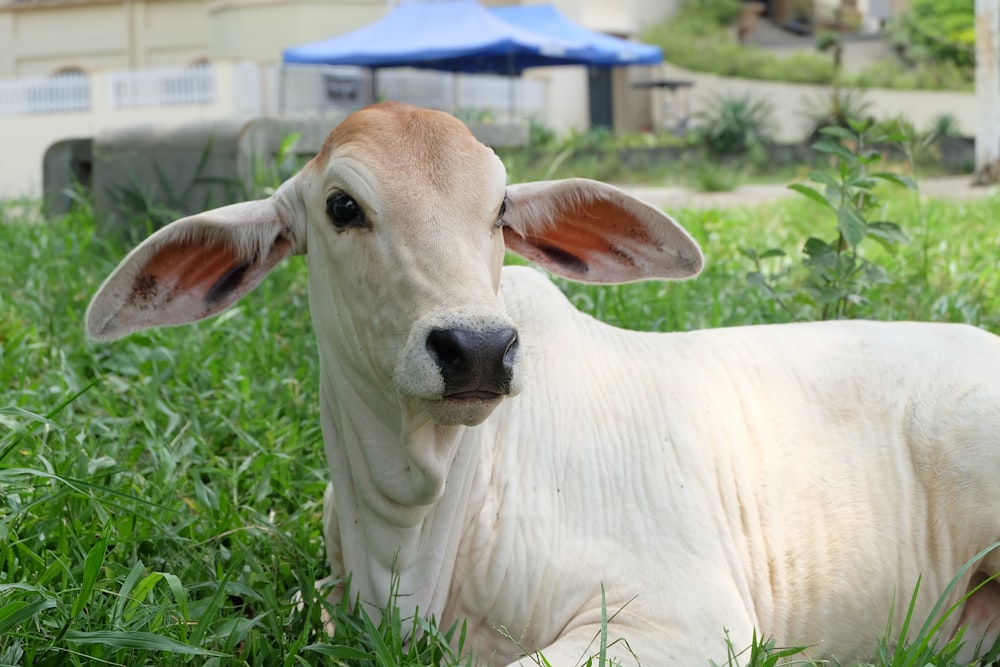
446	347
510	348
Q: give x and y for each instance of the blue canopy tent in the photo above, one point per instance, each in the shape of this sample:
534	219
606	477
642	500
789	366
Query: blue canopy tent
462	36
600	50
459	36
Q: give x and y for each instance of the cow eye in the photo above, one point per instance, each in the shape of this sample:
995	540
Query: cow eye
343	211
500	213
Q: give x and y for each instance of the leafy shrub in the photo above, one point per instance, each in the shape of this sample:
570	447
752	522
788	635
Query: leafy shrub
838	109
710	177
699	38
928	75
700	45
540	134
705	18
937	30
798	67
736	125
835	276
594	138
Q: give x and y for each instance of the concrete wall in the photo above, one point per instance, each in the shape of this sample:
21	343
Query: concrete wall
793	103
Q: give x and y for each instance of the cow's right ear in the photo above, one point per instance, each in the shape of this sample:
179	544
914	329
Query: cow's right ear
191	269
593	232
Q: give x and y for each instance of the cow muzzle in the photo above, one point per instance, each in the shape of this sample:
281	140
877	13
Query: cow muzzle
459	367
476	365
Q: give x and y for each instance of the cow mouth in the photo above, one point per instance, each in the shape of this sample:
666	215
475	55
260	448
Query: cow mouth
468	408
475	395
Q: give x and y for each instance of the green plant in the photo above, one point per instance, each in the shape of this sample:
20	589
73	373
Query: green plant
839	108
269	172
710	177
598	659
476	115
922	74
699	37
944	125
736	125
540	134
937	30
924	650
837	276
759	654
697	45
393	641
706	17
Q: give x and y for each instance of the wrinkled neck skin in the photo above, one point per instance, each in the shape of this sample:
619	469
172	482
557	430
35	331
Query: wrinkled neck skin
388	467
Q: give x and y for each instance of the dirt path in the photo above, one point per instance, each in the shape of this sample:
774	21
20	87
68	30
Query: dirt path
953	187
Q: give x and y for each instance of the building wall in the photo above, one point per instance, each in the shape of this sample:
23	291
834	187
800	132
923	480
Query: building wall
277	24
41	39
625	18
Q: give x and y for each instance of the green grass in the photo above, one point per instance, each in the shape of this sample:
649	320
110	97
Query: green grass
160	496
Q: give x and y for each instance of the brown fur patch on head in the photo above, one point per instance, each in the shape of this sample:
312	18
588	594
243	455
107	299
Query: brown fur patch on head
432	145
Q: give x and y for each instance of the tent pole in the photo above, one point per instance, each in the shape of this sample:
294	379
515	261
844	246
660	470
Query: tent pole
510	86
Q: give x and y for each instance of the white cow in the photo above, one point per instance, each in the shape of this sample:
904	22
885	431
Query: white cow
507	456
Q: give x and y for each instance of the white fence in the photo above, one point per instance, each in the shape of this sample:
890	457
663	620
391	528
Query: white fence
303	90
161	87
135	89
30	95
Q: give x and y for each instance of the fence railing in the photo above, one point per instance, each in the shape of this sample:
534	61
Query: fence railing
162	87
29	95
299	91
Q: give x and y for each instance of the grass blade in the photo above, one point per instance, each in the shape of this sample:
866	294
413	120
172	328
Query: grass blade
91	569
14	613
146	641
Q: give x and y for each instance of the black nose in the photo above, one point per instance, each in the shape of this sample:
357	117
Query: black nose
474	361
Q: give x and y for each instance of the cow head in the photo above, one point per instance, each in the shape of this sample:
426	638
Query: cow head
404	217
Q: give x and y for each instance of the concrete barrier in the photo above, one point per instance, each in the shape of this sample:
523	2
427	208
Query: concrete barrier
67	167
151	174
796	106
156	173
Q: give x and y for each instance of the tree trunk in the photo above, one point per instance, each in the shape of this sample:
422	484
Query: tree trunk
988	91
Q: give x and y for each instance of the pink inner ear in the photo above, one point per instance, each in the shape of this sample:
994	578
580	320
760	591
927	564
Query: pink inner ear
187	281
186	267
594	241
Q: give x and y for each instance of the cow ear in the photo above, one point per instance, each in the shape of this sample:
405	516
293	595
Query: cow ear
191	269
593	232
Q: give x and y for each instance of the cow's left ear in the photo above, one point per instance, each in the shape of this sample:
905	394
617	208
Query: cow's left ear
191	269
593	232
